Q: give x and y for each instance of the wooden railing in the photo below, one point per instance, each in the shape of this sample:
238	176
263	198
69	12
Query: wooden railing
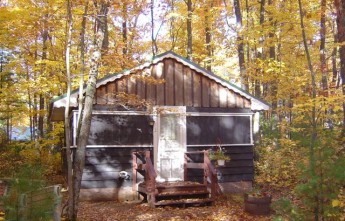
209	178
149	176
210	173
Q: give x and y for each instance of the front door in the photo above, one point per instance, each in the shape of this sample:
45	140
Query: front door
171	144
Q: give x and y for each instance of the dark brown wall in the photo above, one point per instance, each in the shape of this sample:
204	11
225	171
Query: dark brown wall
102	167
182	87
239	168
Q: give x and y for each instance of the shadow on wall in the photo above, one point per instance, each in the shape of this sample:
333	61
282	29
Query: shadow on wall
108	165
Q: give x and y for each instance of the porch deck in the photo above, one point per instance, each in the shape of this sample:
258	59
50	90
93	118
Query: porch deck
177	193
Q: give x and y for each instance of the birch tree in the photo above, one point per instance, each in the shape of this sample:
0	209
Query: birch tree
101	8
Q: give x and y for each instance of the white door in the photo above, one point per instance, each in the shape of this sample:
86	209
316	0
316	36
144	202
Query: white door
171	144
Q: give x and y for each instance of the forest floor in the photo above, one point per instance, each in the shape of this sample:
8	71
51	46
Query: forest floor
227	207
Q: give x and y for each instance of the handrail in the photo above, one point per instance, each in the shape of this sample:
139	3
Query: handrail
149	177
210	172
150	180
150	169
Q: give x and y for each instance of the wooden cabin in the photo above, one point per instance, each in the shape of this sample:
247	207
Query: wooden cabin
186	109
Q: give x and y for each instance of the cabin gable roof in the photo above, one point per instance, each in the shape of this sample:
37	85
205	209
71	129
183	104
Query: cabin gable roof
186	84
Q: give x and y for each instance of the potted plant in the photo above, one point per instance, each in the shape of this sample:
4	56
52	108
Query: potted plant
257	202
219	156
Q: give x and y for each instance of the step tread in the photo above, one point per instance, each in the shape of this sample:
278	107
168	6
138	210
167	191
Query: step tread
183	193
180	186
183	201
179	183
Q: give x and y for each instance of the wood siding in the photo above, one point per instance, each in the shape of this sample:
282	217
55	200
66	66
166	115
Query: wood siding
239	168
182	86
102	167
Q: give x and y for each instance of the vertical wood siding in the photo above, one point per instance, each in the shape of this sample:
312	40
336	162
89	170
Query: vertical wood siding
182	86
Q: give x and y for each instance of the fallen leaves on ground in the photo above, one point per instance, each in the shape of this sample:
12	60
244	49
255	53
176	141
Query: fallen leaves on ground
227	207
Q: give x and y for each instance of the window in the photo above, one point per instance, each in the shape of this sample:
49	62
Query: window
229	129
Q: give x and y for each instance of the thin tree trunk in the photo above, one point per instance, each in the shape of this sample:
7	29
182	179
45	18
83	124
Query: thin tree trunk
271	33
313	110
41	116
323	64
334	59
260	53
82	68
67	121
153	39
247	47
240	46
79	163
41	96
340	8
105	42
8	127
30	105
172	27
35	117
189	30
324	83
35	110
208	37
124	30
272	54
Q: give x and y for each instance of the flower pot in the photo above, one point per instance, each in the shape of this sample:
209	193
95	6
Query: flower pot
257	205
221	162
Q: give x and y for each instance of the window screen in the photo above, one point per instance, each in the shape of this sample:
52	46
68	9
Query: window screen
207	129
120	130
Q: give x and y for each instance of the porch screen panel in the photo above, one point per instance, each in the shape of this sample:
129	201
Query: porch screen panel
120	130
208	129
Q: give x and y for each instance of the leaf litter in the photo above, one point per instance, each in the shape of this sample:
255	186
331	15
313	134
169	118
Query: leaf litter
226	208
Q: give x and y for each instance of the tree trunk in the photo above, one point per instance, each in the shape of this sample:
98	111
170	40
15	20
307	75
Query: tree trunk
30	105
189	30
124	30
324	83
334	59
41	96
271	34
323	64
35	117
67	121
208	37
82	67
89	97
260	54
313	110
105	42
41	116
340	8
240	46
153	39
172	27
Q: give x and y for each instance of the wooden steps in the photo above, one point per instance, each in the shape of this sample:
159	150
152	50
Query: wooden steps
185	202
179	194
